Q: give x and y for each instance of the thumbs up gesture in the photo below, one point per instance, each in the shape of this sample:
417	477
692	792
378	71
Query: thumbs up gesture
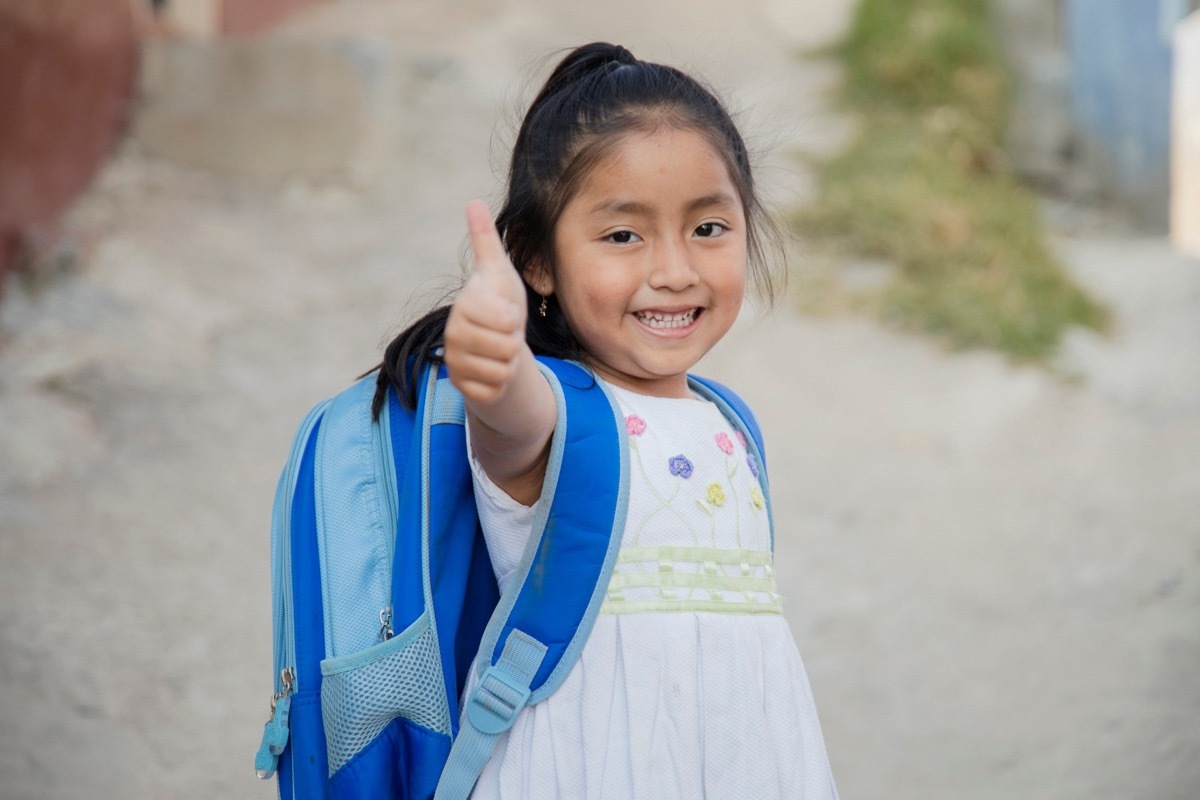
485	332
510	406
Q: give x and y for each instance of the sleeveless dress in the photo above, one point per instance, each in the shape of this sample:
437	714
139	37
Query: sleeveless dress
690	684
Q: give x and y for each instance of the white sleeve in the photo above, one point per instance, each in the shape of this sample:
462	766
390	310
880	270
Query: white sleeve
506	522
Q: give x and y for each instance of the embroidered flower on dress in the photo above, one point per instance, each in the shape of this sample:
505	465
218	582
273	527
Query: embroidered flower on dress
741	439
724	443
715	494
756	497
753	467
679	465
635	425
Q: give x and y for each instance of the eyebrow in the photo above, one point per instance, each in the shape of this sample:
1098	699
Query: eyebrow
635	207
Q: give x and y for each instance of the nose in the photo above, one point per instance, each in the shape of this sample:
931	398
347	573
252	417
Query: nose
672	267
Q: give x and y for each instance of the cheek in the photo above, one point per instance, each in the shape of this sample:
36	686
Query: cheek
730	280
604	291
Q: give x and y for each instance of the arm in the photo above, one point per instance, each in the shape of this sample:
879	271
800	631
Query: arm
510	406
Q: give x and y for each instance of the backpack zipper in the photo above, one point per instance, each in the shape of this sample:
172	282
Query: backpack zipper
285	634
275	733
385	624
385	472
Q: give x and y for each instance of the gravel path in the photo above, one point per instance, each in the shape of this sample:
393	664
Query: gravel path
993	571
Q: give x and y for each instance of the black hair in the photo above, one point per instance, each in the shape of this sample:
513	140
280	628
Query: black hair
596	93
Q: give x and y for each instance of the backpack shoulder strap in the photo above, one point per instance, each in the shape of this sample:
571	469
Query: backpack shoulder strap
739	414
544	618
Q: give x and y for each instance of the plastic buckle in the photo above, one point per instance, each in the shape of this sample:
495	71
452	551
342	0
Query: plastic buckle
496	701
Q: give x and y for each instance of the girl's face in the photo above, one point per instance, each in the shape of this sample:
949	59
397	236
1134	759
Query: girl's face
651	260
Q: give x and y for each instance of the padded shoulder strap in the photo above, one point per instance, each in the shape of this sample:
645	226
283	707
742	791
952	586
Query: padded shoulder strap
731	404
736	410
543	620
577	527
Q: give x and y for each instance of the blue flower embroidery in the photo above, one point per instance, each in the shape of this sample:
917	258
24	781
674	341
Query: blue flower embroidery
679	465
753	467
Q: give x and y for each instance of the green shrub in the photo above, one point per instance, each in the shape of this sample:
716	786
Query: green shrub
926	186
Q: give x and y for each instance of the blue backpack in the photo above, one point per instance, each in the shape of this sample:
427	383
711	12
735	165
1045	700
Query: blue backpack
384	595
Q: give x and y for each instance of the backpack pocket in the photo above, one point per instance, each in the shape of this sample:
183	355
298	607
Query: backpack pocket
361	693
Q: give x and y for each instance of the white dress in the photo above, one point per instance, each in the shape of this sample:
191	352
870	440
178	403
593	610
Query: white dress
690	685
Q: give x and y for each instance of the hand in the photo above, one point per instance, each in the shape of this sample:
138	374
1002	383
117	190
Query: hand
485	333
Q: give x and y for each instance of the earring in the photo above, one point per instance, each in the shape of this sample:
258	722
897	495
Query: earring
542	307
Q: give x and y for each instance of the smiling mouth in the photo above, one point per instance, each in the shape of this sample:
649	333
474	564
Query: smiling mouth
659	320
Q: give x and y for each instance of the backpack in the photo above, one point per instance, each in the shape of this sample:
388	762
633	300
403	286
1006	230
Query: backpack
384	596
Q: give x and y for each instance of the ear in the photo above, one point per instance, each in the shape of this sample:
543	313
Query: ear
539	278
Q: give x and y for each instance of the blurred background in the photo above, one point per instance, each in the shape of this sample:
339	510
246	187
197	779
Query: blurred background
980	391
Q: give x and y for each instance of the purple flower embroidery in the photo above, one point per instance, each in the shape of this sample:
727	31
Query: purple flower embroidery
724	442
679	465
741	439
753	467
635	425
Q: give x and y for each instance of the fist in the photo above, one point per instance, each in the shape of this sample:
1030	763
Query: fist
485	333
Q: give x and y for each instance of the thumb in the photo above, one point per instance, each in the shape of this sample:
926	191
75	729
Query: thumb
492	265
485	239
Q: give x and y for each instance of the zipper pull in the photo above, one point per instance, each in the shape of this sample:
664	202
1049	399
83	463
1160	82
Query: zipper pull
275	731
385	624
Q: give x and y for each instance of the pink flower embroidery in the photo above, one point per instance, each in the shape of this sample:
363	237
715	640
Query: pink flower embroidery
741	439
635	425
724	442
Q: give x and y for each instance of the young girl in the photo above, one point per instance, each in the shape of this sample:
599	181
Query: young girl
625	239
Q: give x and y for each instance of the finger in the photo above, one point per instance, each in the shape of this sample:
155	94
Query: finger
486	308
467	368
485	239
481	341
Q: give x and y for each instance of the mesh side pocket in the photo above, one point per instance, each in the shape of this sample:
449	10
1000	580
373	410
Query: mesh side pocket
403	680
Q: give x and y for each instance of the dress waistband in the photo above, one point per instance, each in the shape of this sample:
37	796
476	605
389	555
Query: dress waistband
666	579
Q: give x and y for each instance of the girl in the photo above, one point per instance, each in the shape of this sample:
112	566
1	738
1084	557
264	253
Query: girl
628	228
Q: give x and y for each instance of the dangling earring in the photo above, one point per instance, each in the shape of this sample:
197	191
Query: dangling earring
542	307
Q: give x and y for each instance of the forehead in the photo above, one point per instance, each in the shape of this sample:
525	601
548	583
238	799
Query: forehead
664	167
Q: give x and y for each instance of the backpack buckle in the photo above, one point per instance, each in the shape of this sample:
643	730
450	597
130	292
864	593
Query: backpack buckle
496	701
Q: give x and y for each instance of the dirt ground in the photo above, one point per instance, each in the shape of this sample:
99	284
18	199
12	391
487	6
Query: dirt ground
993	571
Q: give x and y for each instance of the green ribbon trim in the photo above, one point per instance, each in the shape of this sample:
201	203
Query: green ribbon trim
690	580
712	606
755	558
709	576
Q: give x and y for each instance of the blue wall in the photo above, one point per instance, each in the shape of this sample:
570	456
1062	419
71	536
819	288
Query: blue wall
1121	96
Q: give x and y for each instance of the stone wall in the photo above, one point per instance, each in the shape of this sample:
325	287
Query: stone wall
67	70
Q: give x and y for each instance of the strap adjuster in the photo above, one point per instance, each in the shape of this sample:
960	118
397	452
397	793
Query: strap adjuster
496	701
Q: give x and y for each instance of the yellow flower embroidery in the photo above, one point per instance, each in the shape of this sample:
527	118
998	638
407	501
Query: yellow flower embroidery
715	494
756	497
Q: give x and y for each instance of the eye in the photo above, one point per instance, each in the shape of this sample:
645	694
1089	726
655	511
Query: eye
708	230
622	237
